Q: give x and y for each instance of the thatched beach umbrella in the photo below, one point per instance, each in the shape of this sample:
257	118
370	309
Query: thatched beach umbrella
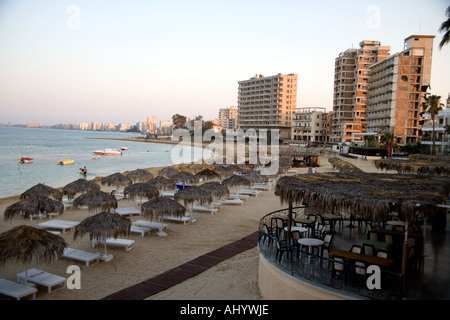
116	179
101	226
191	195
207	174
215	189
79	186
96	199
33	205
140	175
184	177
140	190
160	207
42	190
223	171
167	172
434	165
26	244
255	177
160	182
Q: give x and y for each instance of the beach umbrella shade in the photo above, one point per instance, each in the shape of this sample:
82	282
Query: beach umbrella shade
207	174
140	190
79	186
167	172
103	225
191	195
33	205
255	177
96	199
184	177
158	207
160	182
140	175
116	179
42	190
235	181
223	171
26	244
215	189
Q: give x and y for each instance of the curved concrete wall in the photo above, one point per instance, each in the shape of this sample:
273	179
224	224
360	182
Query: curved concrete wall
277	285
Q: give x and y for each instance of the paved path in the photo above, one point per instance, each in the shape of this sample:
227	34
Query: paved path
185	271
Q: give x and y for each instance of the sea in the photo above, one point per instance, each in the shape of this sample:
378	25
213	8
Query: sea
48	146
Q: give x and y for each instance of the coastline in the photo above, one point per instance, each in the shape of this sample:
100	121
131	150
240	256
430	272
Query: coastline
235	278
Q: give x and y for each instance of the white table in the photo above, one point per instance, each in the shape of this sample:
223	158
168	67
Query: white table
310	243
297	228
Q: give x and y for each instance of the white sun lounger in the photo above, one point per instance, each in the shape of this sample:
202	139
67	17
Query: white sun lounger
16	290
262	187
116	242
128	211
254	193
184	219
238	196
61	225
204	209
232	201
141	230
152	225
42	278
79	255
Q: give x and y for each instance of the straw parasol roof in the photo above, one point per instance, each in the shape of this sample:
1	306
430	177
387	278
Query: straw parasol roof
116	179
207	174
160	182
160	206
167	172
26	244
140	175
223	171
78	186
372	196
95	199
33	205
103	225
343	166
184	177
216	189
255	176
235	180
42	190
420	164
193	194
141	190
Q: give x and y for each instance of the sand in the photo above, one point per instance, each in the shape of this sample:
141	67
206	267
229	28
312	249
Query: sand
233	279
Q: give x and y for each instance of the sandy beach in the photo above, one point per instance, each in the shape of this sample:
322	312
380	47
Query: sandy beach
233	279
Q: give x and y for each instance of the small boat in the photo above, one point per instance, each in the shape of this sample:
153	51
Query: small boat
26	160
66	161
108	152
124	148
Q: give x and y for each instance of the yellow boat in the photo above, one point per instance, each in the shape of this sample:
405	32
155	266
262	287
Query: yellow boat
66	161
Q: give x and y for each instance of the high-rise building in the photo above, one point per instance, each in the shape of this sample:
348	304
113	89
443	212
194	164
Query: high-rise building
350	89
310	125
151	124
397	88
228	117
267	103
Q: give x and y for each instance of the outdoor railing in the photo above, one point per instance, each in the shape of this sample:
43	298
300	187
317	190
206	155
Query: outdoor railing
320	270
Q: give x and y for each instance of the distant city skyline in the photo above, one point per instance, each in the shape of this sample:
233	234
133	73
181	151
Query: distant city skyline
83	61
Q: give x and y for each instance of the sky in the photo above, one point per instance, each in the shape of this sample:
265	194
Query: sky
122	61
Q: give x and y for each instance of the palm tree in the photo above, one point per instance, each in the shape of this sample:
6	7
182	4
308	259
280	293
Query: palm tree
388	139
433	106
445	27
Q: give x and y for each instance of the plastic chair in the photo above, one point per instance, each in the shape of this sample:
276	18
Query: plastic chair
368	249
356	248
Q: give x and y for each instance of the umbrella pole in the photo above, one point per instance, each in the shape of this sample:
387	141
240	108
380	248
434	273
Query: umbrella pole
404	259
288	234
